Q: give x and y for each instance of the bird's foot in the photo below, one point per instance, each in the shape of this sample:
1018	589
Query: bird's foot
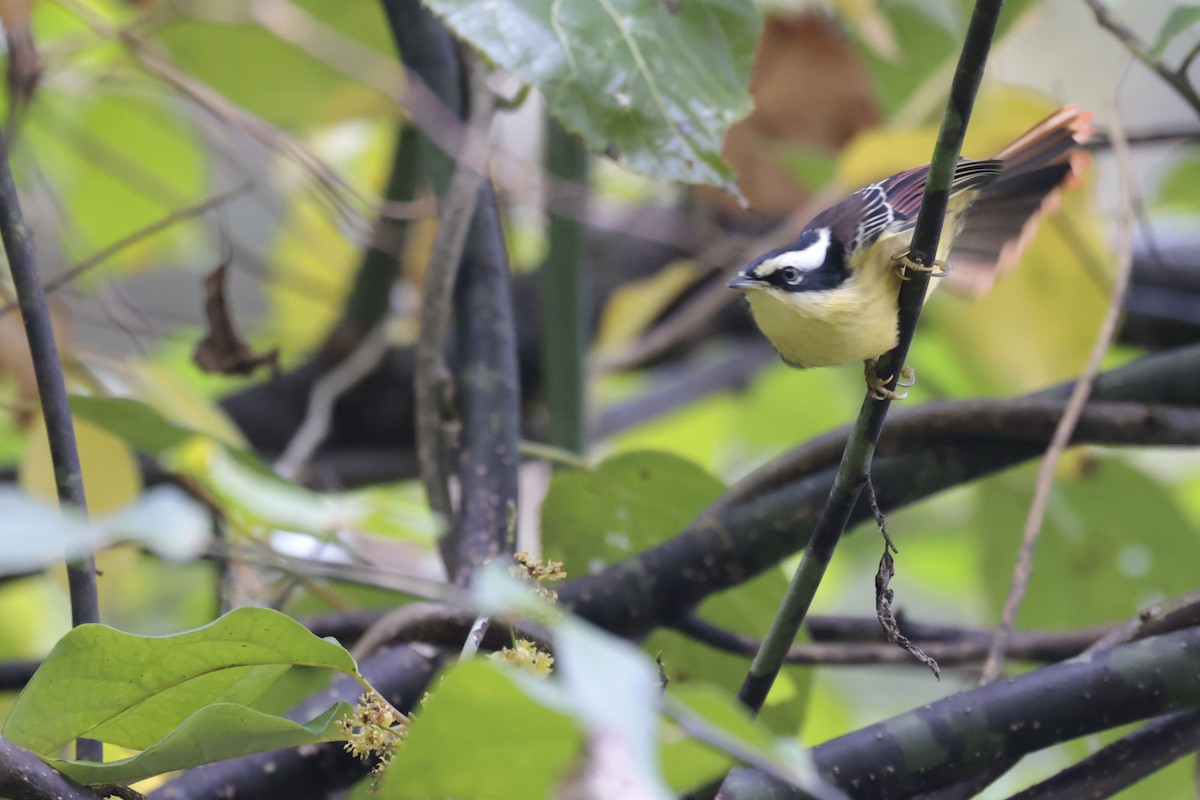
905	262
877	386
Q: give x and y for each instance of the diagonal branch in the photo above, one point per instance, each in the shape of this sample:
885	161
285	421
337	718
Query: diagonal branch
730	544
962	735
856	462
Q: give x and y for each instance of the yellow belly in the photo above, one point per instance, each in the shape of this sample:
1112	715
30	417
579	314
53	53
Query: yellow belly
853	322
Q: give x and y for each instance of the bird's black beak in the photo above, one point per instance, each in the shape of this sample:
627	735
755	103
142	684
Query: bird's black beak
742	281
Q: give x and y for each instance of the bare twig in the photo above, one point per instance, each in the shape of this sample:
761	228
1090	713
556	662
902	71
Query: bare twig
479	629
347	201
1163	617
1177	80
949	646
441	624
325	393
437	306
1023	569
52	391
137	236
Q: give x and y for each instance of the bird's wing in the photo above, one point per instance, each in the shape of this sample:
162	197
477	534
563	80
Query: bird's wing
1004	215
891	205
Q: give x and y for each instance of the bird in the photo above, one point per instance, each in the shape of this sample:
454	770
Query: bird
831	296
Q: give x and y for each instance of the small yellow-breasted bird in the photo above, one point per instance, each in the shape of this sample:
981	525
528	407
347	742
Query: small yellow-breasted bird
830	297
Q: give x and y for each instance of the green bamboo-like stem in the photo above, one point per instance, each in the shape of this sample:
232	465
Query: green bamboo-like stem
563	293
368	300
52	391
856	461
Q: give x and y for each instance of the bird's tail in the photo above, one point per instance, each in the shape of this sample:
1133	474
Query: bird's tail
1002	220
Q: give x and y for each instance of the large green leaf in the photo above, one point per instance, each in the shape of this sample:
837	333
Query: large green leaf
1179	191
134	690
654	83
631	501
748	610
119	158
480	736
214	733
34	534
298	84
134	421
1110	543
688	762
253	499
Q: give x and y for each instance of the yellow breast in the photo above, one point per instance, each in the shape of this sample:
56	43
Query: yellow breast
853	322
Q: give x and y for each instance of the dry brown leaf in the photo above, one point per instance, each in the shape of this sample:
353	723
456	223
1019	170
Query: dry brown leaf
810	90
224	350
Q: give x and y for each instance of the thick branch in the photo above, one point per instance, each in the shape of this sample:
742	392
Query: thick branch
956	737
732	543
490	399
1124	762
24	776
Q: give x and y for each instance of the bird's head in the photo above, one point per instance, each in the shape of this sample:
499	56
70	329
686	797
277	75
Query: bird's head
814	262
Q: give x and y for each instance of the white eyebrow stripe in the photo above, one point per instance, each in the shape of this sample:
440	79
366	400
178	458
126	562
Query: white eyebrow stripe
805	260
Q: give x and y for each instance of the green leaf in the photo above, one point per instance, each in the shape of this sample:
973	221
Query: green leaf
120	159
480	736
688	763
1110	544
253	499
134	690
1179	20
1179	191
746	609
134	421
607	684
214	733
631	501
288	82
34	534
658	83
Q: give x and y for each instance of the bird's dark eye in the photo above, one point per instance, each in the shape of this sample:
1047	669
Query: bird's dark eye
791	275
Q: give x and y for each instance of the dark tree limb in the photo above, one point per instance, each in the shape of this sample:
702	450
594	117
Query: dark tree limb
731	544
1124	762
961	735
24	776
489	398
